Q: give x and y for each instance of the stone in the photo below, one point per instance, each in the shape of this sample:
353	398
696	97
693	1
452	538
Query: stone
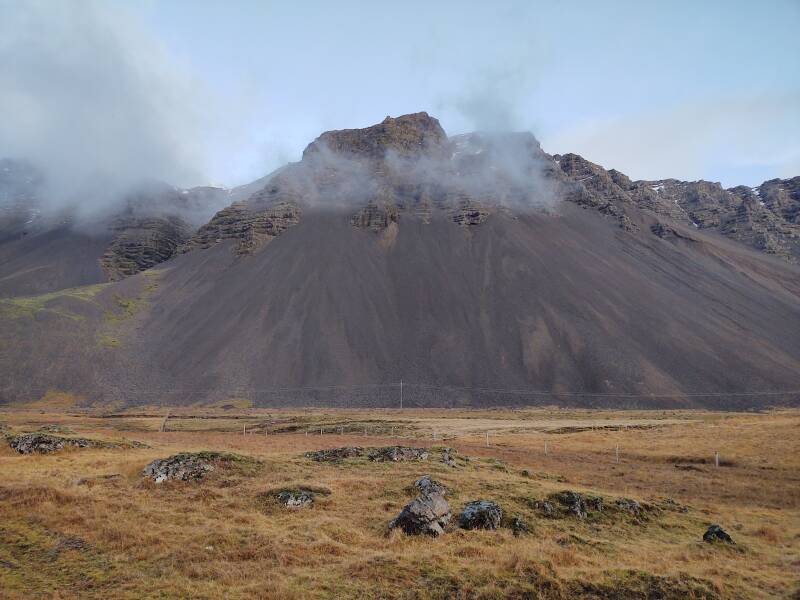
447	457
546	507
41	443
594	503
426	485
573	501
715	533
631	506
335	454
480	514
180	467
427	514
519	527
296	498
397	454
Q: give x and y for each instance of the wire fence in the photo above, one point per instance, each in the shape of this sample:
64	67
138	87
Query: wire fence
414	395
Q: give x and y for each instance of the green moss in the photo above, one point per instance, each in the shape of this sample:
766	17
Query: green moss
29	306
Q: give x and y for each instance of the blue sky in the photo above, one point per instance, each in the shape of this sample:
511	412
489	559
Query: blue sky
655	89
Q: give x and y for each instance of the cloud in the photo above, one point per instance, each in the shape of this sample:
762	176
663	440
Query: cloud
91	99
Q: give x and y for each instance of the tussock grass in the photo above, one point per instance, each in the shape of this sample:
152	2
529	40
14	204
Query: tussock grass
122	538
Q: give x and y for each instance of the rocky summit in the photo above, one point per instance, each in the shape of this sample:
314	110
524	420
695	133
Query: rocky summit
477	268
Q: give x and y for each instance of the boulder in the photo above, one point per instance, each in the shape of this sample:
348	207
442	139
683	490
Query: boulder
335	454
41	443
180	467
397	454
296	498
715	533
427	514
480	514
426	485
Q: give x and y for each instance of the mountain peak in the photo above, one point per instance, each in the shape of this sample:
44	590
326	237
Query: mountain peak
406	135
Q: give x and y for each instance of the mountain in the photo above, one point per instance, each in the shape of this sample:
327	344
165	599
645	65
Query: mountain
476	268
46	247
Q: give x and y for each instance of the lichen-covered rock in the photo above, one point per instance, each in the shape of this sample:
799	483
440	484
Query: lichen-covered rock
448	457
188	466
41	443
480	514
628	505
715	533
335	454
295	498
546	507
426	485
572	501
594	503
427	514
519	527
397	454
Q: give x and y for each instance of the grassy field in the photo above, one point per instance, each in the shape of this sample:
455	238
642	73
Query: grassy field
83	523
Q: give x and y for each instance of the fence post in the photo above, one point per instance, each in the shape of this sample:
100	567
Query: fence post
487	438
616	450
716	459
244	429
545	447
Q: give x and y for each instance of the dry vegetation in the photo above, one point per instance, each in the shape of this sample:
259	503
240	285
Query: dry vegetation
83	523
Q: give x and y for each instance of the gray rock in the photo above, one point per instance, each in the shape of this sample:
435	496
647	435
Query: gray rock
631	506
546	507
426	485
573	501
715	533
180	467
594	503
427	514
41	443
519	527
480	514
296	498
447	457
335	454
397	454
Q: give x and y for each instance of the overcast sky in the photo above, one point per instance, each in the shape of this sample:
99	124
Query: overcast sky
196	91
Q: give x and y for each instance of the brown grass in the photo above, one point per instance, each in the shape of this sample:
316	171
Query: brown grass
66	531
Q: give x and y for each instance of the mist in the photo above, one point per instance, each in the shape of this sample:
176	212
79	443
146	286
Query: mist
92	102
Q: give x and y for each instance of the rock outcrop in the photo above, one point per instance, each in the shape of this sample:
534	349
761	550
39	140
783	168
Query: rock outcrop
141	243
397	454
335	454
295	498
41	443
480	514
180	467
249	227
